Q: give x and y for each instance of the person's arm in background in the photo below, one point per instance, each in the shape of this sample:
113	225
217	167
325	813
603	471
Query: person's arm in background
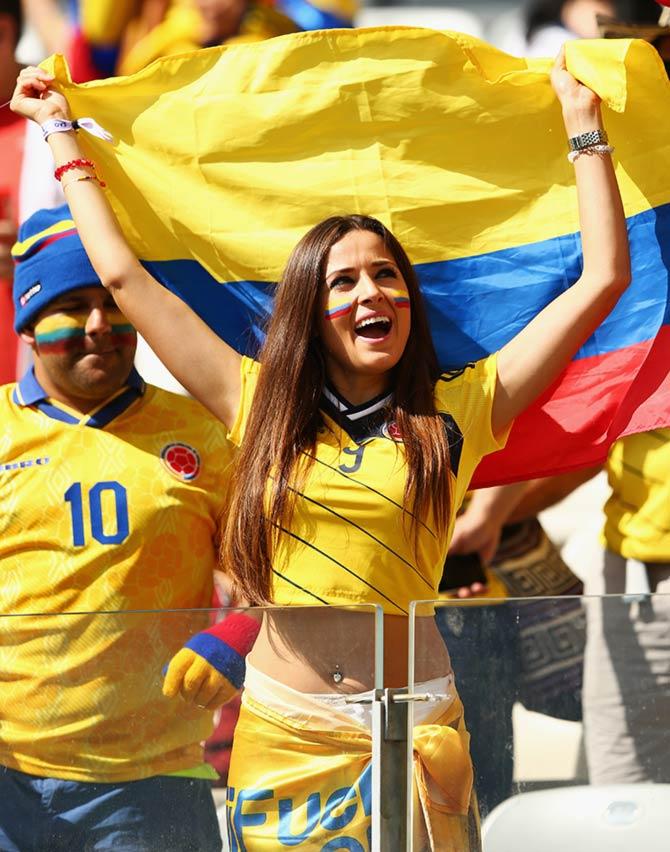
479	528
541	494
51	24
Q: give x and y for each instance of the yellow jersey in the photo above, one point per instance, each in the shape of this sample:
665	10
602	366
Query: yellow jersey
115	510
348	542
637	515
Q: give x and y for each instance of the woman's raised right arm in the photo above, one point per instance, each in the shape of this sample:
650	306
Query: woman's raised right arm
207	366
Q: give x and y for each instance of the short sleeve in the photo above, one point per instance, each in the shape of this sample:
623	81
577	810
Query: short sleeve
249	372
467	396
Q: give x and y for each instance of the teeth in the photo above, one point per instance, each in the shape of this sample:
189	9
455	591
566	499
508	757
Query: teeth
373	321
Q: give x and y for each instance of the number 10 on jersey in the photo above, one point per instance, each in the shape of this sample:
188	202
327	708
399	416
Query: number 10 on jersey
105	531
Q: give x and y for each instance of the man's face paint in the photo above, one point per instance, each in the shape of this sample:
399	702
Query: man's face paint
65	332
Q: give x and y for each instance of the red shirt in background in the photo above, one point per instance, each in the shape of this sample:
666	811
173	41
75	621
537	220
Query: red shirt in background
12	140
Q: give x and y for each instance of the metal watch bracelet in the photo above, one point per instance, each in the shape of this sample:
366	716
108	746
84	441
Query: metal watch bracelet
588	140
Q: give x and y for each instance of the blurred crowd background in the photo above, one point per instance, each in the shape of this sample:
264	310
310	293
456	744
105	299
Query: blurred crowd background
111	37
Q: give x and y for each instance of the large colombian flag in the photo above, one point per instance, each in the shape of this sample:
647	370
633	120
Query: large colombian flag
224	158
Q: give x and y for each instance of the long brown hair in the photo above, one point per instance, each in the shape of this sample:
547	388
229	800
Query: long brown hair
285	418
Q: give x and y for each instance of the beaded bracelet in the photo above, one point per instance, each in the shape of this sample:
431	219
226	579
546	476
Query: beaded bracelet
79	163
592	149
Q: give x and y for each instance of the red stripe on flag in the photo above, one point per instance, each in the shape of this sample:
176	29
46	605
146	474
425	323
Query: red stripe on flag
599	398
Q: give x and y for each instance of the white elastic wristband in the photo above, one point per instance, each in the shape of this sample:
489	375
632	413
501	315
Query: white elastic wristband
61	125
592	149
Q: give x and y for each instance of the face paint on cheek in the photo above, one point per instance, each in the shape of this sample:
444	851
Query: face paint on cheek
339	305
60	332
400	298
123	333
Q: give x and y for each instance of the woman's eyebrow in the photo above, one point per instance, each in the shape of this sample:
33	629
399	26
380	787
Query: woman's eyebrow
380	262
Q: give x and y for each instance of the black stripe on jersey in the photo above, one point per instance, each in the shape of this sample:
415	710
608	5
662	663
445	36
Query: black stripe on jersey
645	518
454	434
382	400
344	568
297	586
450	375
454	440
369	488
359	430
365	532
641	475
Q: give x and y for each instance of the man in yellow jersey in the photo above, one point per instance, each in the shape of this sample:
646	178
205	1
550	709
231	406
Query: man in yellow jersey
110	496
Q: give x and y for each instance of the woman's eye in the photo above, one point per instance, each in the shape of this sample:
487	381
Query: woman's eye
342	281
387	272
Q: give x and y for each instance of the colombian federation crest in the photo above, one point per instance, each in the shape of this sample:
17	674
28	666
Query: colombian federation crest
181	460
392	431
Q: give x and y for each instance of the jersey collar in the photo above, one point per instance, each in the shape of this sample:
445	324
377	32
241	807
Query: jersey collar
29	392
362	421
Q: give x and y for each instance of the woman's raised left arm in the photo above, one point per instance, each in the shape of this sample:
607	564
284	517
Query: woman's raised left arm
531	361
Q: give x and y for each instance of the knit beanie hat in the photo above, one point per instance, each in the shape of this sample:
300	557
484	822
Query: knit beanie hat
50	261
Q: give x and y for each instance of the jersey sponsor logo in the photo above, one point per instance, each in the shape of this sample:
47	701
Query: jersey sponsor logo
24	463
181	460
392	432
24	298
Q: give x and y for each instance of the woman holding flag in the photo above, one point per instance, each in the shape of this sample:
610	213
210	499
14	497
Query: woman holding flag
354	456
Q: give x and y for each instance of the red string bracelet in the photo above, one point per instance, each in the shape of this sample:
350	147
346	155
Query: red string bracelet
79	163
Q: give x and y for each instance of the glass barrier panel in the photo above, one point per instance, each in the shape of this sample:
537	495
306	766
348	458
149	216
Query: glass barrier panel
566	703
95	754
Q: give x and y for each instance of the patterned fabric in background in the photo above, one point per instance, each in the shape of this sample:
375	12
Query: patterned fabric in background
552	633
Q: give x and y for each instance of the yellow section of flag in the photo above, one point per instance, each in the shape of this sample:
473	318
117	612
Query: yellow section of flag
228	155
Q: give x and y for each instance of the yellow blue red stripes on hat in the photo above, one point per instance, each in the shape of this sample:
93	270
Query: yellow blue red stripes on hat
26	248
458	148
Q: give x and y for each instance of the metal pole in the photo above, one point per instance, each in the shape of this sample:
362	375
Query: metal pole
390	812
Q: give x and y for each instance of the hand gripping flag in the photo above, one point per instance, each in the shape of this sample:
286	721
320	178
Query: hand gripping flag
225	157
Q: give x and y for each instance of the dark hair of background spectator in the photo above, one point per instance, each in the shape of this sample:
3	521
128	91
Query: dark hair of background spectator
12	9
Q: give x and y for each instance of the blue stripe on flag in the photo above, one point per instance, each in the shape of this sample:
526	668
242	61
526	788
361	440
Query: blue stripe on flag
475	304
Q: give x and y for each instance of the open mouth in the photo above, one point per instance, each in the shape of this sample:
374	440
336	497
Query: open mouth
373	328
